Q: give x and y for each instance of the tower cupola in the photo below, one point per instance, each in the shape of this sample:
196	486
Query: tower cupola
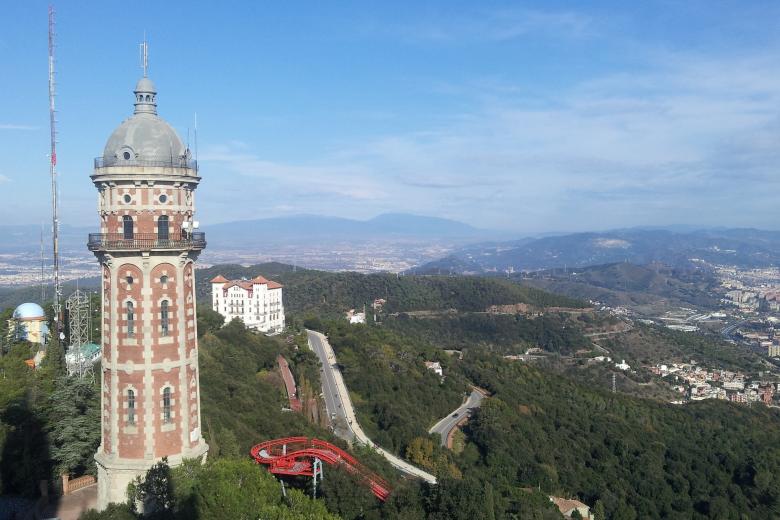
145	97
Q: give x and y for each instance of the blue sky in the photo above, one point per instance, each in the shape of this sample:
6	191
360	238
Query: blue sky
530	116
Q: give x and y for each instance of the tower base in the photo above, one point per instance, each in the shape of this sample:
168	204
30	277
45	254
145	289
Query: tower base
114	474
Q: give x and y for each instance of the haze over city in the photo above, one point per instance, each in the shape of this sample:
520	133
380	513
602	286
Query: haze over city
526	117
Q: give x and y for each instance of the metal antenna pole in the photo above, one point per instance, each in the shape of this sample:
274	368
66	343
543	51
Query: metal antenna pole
53	172
43	271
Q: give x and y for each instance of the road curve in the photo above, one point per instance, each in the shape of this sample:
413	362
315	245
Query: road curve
333	383
446	424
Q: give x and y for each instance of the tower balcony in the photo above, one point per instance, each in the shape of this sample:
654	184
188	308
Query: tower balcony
157	162
146	242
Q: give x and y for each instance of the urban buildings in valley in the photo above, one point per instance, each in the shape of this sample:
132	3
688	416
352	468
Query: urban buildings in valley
146	247
256	302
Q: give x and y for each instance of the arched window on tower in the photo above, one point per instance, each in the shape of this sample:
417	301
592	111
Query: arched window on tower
166	405
164	325
162	228
130	407
130	320
127	227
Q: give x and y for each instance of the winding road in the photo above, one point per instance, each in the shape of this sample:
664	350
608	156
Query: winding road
341	411
447	424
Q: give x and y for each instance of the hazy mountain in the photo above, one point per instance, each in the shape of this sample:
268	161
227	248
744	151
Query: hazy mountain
247	234
24	238
300	228
741	247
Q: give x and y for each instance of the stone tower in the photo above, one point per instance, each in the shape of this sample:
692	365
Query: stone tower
147	247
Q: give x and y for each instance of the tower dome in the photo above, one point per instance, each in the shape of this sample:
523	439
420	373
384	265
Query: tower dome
144	137
29	311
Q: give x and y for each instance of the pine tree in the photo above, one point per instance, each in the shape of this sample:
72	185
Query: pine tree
74	422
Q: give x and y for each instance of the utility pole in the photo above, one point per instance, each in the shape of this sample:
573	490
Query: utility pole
55	223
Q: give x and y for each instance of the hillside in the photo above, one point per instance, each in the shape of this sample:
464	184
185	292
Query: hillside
740	247
630	285
326	293
636	458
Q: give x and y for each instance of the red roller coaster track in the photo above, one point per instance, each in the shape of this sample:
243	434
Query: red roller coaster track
295	456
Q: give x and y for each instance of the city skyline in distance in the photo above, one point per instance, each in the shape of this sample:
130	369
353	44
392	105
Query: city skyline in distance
530	119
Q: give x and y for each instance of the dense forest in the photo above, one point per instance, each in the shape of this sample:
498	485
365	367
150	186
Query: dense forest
330	294
541	432
636	458
508	334
639	458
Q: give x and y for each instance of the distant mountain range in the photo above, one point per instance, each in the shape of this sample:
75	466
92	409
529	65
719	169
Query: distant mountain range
740	247
247	234
306	228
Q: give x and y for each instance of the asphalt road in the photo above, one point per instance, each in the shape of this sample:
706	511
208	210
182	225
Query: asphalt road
445	425
336	411
336	394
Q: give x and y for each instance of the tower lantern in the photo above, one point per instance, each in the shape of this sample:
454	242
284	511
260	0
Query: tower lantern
147	247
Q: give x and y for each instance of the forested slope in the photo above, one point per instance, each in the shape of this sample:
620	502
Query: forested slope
330	294
640	458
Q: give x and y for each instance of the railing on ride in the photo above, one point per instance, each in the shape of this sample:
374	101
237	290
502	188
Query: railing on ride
145	241
282	453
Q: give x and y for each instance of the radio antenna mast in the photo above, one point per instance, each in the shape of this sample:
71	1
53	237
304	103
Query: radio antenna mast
43	271
55	223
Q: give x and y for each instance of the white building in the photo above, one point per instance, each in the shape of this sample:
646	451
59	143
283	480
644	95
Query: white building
435	366
356	317
256	302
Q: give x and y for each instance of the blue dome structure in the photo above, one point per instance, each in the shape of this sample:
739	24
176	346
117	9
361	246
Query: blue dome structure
29	323
29	311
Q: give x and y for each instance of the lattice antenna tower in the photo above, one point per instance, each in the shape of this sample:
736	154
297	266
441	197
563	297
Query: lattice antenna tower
79	314
43	271
55	222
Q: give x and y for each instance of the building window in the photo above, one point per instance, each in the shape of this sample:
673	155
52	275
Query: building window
163	198
162	228
127	226
164	317
166	405
130	320
164	279
130	407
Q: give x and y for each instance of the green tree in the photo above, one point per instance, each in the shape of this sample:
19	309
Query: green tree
112	512
598	510
155	491
208	320
74	422
346	495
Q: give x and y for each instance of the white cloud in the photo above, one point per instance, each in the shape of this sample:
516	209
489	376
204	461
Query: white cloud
680	142
497	25
11	126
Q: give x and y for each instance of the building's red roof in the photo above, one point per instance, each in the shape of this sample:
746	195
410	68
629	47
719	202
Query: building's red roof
246	284
238	283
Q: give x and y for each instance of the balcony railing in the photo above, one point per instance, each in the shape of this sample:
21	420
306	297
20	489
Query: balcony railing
145	241
164	162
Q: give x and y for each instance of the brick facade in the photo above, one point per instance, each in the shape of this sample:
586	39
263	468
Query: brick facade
150	384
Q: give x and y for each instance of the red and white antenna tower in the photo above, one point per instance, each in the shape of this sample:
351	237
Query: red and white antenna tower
55	222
